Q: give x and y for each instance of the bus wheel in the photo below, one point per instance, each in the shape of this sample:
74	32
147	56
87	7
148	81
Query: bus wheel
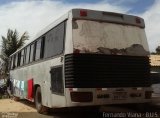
38	102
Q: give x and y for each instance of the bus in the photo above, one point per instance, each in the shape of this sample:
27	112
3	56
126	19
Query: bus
85	58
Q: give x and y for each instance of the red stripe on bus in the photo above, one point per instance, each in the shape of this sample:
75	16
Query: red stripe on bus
30	89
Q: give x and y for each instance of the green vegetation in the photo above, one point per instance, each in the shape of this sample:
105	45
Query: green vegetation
157	51
10	44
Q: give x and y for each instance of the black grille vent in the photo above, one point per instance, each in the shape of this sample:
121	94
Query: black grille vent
97	70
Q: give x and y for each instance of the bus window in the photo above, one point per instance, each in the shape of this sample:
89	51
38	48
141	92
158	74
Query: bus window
15	60
38	49
11	63
95	37
42	47
54	41
27	54
22	57
32	53
19	59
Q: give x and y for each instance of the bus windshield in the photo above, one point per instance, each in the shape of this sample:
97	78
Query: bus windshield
109	38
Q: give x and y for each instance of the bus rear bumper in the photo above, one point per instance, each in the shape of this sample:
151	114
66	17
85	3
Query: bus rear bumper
107	103
109	96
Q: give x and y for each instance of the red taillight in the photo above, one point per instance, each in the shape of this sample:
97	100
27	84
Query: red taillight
83	13
138	20
81	96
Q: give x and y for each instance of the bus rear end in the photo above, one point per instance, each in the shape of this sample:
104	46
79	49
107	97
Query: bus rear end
109	62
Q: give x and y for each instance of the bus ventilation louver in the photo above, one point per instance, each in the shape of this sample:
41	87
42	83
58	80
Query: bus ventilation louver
96	70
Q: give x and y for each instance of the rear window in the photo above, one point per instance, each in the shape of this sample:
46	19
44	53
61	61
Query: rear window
109	38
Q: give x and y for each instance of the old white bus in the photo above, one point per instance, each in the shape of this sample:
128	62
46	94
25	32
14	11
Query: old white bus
84	58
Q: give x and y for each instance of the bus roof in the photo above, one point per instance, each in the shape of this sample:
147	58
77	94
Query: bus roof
45	30
108	17
94	15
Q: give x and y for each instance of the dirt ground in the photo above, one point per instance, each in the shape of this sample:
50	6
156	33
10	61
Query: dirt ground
8	105
19	109
25	109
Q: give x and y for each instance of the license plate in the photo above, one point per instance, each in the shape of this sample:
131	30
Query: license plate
119	95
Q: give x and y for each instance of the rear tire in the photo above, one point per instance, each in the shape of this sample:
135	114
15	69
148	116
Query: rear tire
38	102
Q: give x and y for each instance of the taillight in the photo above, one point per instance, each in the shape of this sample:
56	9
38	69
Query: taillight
148	94
81	96
83	13
138	20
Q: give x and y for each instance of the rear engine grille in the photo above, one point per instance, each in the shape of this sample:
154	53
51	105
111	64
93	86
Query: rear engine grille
99	71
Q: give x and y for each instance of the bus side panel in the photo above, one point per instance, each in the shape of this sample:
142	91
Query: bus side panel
40	73
50	98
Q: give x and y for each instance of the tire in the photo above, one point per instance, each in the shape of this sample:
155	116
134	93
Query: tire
38	102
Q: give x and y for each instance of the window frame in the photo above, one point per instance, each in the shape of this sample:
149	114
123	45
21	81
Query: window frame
28	50
32	52
22	57
18	58
63	39
38	41
42	49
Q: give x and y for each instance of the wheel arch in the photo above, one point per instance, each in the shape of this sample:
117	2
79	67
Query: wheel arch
35	88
